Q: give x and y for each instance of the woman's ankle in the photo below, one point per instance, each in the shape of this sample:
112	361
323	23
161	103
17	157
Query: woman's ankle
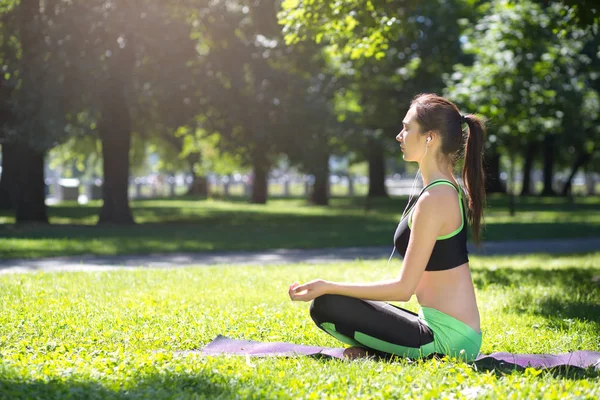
356	352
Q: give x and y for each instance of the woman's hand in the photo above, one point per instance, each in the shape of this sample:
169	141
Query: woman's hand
308	291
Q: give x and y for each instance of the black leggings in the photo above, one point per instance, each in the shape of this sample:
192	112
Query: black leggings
374	325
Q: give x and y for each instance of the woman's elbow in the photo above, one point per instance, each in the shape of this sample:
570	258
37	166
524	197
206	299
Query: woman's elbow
402	297
401	293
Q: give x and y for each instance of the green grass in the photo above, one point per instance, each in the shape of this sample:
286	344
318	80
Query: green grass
102	335
201	225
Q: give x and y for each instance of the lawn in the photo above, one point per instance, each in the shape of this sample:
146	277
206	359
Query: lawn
101	335
201	225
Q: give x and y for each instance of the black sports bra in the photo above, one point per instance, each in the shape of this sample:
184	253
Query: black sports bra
449	251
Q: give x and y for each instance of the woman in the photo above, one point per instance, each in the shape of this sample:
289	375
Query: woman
432	238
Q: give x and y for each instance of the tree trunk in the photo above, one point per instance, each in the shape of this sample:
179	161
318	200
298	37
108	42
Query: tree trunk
526	189
350	185
548	166
320	189
581	160
29	188
198	187
512	192
10	170
115	132
260	172
590	183
491	167
376	158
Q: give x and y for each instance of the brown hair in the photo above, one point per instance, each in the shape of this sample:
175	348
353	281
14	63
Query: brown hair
435	113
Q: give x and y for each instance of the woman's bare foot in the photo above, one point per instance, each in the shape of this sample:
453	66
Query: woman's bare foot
355	352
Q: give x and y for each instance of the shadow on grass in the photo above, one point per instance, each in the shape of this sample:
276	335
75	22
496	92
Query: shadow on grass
176	225
536	230
164	386
182	213
169	386
498	367
535	203
243	231
558	308
177	209
501	368
572	292
564	278
37	389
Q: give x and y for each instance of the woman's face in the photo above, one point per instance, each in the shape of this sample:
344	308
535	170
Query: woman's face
412	140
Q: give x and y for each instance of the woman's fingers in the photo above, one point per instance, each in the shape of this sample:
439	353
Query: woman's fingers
299	297
292	290
298	292
297	288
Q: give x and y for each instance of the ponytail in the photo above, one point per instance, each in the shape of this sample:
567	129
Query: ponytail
472	173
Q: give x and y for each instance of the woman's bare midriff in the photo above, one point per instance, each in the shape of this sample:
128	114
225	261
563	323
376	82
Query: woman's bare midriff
451	292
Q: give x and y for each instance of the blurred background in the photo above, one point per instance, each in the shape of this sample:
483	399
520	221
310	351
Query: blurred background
105	104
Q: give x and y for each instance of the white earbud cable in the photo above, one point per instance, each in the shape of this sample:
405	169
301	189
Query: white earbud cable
410	197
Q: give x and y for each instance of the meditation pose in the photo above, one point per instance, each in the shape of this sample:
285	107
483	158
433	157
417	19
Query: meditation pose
432	239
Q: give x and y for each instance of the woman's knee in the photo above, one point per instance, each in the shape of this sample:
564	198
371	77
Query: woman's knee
330	307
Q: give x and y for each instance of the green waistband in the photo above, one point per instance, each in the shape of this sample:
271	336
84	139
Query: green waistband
440	319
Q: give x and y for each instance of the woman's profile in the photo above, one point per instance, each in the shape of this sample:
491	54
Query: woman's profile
432	238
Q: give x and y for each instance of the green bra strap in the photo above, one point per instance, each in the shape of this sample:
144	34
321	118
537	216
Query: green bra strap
460	201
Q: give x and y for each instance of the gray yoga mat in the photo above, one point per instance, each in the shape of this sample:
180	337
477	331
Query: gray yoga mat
222	345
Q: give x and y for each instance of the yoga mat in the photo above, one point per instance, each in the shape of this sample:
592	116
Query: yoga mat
222	345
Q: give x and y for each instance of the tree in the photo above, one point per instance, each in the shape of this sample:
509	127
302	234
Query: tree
584	128
388	52
9	160
309	146
252	83
520	77
34	119
125	52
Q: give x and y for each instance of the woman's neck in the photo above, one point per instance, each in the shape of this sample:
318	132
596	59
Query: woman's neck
431	171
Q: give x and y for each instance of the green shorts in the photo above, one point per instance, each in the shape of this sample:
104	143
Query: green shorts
450	336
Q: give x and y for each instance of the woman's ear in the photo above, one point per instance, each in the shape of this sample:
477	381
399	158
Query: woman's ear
430	136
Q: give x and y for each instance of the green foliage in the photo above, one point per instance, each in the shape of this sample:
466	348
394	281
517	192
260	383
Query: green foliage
359	169
213	159
33	88
405	50
80	154
587	12
525	76
7	6
355	28
115	334
258	93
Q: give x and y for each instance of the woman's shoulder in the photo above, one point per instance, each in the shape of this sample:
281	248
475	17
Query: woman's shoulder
439	194
437	200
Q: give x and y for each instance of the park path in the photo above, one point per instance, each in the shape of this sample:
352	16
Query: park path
278	256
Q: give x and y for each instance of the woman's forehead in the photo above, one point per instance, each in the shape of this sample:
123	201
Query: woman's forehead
410	116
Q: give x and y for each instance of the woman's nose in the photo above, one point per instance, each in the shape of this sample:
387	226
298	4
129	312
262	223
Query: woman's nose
399	137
